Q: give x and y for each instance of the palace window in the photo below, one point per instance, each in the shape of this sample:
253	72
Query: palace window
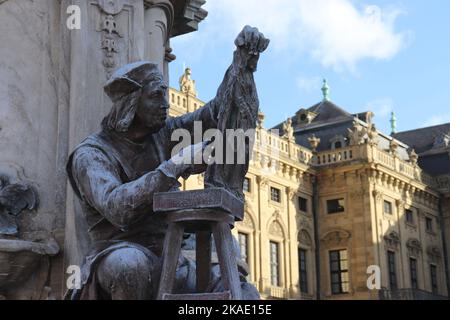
243	245
392	270
274	264
246	185
303	271
413	272
275	194
335	206
303	204
339	272
429	224
338	145
387	207
434	281
409	216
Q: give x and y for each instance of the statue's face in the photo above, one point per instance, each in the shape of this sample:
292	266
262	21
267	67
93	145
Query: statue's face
252	63
153	105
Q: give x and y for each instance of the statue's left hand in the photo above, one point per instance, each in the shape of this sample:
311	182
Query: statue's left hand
253	40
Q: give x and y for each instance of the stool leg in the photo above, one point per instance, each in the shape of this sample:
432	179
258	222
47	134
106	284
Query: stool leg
227	259
171	253
203	260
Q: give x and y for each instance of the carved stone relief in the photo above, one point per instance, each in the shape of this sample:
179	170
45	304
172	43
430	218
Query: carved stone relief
304	238
392	240
414	247
336	238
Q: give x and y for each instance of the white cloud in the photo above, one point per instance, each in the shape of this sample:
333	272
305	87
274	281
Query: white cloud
309	84
437	120
382	108
337	33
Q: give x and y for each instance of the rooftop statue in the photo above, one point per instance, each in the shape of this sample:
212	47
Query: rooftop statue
116	172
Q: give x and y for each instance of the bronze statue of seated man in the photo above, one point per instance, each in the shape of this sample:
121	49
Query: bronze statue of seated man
115	173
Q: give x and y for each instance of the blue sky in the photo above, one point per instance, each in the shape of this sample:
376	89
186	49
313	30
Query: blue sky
377	55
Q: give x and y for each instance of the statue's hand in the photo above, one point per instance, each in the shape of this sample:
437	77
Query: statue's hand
251	39
190	160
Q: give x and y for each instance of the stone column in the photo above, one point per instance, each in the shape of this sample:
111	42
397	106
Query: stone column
158	17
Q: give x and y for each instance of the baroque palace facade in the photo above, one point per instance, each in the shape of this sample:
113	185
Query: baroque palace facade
329	196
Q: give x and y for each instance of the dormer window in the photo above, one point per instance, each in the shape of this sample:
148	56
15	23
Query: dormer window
305	116
338	142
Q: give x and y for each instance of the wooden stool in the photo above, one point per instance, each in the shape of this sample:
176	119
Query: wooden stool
211	215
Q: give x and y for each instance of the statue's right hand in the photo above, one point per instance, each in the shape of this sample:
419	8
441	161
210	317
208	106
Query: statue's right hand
190	159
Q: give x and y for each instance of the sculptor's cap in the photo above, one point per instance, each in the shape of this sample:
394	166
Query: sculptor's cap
130	78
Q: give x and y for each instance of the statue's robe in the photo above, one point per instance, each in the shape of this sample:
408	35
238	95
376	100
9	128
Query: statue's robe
115	180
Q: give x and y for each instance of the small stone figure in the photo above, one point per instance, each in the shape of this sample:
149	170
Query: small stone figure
14	198
288	130
116	172
187	85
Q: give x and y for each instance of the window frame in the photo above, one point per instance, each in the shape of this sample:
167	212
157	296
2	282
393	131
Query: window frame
338	210
388	205
244	255
249	185
434	279
278	192
412	221
413	274
306	203
303	272
339	272
429	225
275	279
392	270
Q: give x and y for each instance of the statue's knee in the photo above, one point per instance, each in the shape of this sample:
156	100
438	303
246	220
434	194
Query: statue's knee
127	274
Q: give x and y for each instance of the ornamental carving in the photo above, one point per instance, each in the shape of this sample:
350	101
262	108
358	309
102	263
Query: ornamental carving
304	239
276	229
110	33
356	135
414	247
434	254
377	195
336	238
392	240
288	130
14	198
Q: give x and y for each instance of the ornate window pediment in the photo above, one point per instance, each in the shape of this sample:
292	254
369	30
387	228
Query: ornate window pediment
434	254
336	238
414	247
392	240
276	229
304	238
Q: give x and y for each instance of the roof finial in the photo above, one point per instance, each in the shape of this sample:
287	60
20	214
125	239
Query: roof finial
326	90
393	123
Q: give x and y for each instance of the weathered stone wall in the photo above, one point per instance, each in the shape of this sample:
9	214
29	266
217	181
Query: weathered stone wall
51	98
